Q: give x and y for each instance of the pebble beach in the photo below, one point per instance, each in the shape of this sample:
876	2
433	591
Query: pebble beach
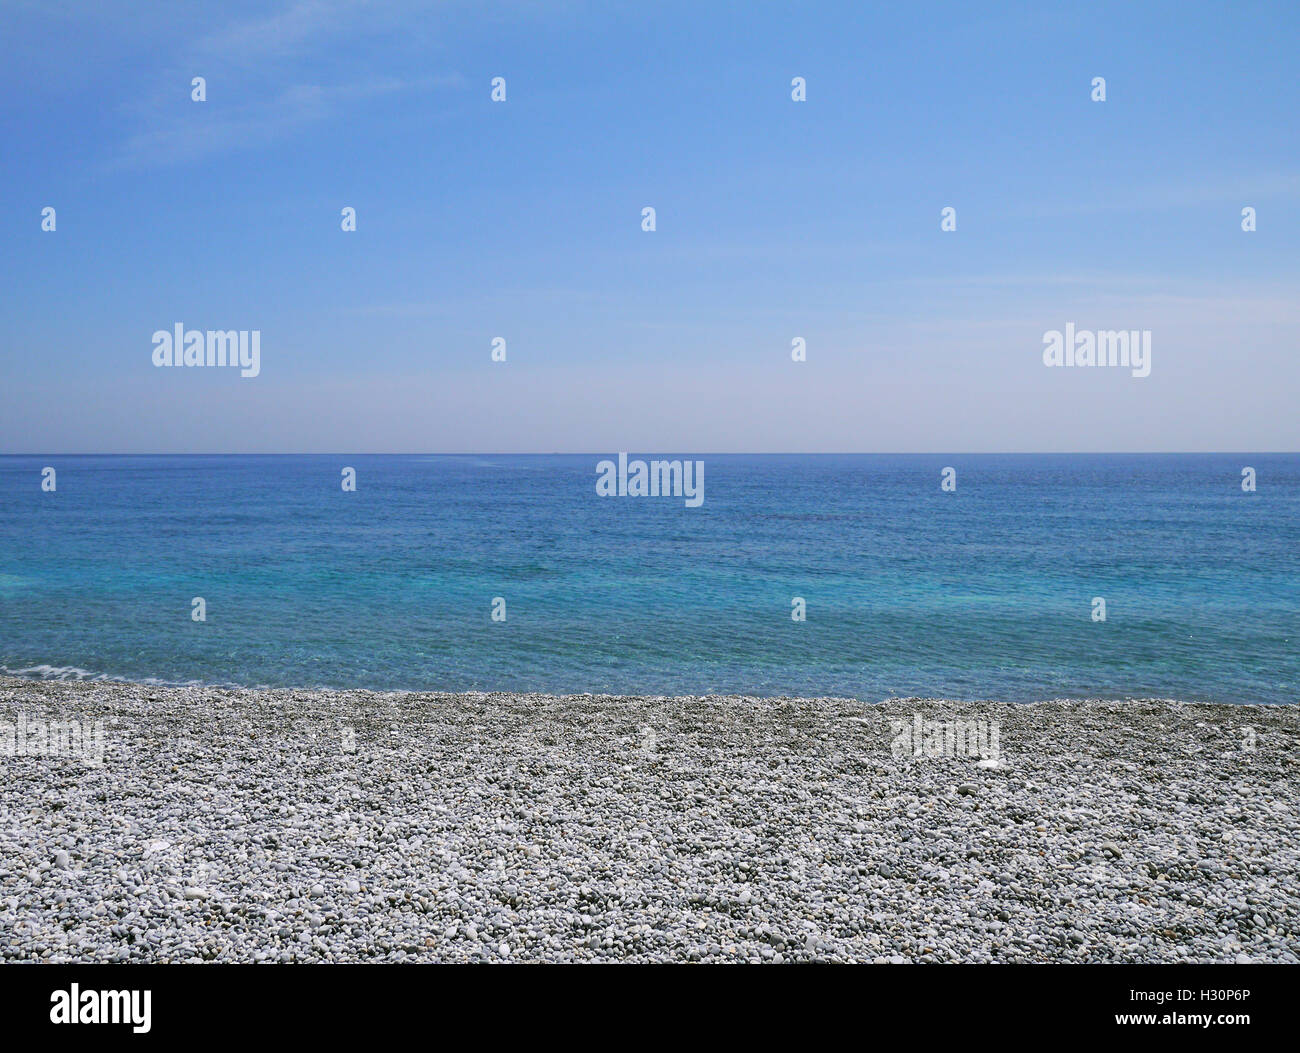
194	824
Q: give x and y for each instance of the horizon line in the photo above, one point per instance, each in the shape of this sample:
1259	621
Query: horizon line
703	453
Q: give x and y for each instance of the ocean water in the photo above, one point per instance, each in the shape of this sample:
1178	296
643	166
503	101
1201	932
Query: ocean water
985	592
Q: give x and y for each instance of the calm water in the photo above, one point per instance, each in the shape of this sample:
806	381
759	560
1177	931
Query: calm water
981	593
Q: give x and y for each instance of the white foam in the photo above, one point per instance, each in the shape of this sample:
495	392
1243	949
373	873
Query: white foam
55	672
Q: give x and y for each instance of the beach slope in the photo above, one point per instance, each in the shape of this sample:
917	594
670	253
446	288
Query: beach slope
200	824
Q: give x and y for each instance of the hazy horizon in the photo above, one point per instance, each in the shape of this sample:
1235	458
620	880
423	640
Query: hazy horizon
655	452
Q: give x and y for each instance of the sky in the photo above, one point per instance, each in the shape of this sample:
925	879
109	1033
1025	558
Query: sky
775	220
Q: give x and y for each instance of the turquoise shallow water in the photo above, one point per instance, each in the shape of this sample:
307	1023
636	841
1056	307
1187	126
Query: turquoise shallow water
981	593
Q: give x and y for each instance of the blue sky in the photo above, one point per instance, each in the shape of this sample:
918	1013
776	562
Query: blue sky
775	219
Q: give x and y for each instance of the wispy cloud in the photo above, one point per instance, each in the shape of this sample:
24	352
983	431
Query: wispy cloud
174	139
264	82
1173	195
285	32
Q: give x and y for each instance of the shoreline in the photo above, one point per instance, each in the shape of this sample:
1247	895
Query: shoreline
239	824
104	679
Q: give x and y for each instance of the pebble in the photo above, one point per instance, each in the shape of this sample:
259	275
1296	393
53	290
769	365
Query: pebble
519	827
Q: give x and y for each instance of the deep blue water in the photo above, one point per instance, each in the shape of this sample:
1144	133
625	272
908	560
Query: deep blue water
981	593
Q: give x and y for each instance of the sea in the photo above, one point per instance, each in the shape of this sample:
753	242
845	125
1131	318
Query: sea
1029	577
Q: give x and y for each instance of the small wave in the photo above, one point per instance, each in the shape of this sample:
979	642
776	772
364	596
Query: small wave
72	672
54	672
